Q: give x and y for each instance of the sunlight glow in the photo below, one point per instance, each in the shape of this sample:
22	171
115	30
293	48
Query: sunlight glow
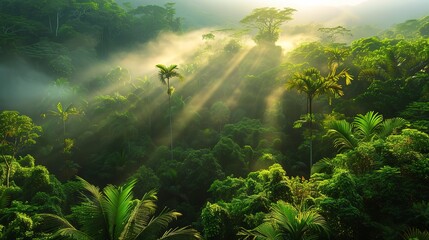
200	99
312	3
325	2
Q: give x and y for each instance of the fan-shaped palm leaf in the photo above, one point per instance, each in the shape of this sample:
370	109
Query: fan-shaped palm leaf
285	215
298	224
414	233
342	133
312	223
367	125
390	125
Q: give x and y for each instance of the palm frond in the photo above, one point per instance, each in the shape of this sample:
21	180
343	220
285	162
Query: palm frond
52	222
287	222
305	81
390	125
117	203
60	107
72	110
367	125
165	73
159	223
342	133
184	233
161	74
323	165
283	214
140	216
373	74
95	191
346	75
249	234
305	118
314	223
414	233
93	219
73	233
265	231
61	227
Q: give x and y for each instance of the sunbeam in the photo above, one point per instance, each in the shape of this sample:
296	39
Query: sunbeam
199	100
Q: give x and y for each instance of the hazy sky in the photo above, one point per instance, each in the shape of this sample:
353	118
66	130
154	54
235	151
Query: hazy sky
305	3
379	13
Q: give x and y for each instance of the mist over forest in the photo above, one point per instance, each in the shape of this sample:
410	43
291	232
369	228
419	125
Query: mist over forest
198	119
380	14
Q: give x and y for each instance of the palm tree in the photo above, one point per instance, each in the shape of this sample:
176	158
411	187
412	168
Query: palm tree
63	114
364	128
165	74
113	214
313	84
288	222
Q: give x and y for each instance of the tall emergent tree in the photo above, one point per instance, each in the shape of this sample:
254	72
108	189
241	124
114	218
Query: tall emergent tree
165	74
313	84
267	21
16	132
113	214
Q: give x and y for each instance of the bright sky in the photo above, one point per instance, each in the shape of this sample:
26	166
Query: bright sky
307	3
326	2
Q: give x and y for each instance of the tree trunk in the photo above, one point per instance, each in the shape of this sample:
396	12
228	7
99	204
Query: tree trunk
50	24
8	170
169	113
310	110
58	23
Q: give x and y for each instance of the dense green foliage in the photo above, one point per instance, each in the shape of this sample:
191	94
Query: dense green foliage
242	124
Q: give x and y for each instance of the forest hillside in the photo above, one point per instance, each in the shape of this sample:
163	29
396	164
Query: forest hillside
128	120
